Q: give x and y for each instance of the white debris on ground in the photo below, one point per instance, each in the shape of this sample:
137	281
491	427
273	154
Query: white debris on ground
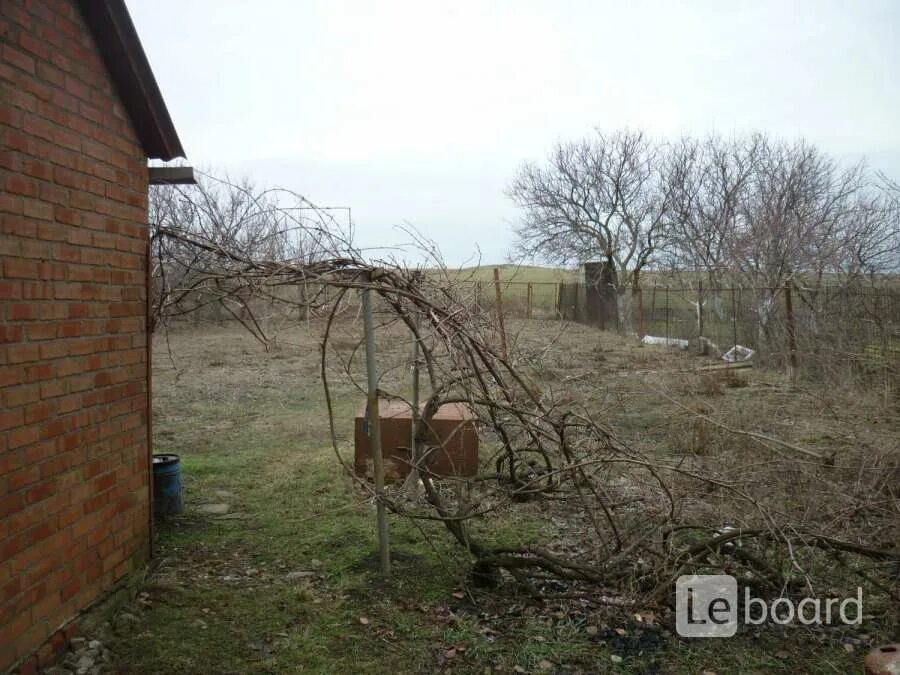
667	342
738	353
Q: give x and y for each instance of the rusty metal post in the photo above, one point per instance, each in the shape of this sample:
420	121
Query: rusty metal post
500	323
667	316
792	332
640	308
415	392
530	297
373	411
559	309
735	309
700	316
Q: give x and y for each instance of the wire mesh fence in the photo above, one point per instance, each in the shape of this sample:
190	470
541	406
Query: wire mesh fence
814	332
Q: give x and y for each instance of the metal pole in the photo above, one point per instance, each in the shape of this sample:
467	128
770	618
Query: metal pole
414	413
700	316
500	323
792	332
530	299
384	551
667	316
735	309
641	333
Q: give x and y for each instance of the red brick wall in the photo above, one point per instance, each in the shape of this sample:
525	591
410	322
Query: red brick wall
74	501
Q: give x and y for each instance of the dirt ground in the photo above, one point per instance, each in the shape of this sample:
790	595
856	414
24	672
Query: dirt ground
271	567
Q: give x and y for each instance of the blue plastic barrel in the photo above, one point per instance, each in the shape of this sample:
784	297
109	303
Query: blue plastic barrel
168	492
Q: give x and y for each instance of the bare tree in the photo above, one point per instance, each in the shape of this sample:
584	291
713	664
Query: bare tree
263	224
601	197
706	182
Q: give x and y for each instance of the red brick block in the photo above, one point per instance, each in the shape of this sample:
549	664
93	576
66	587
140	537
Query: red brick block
17	58
41	331
11	418
23	313
40	492
20	269
22	436
10	333
37	373
11	503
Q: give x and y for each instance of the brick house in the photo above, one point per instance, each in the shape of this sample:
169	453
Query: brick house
80	114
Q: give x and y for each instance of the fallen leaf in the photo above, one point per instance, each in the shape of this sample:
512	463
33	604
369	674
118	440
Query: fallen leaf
459	595
450	654
364	621
781	654
621	631
615	658
848	647
544	664
592	630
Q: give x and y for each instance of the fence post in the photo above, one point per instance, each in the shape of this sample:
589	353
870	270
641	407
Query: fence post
374	414
500	324
792	332
640	309
412	479
528	301
735	309
667	316
700	349
559	312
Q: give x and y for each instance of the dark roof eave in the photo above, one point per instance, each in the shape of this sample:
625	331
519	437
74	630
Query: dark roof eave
119	45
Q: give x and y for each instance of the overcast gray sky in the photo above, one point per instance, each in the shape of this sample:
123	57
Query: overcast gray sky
420	112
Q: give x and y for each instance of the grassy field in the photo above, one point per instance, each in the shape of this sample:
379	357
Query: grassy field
284	580
519	273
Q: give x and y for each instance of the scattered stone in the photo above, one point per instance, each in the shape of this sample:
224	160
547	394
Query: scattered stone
94	644
84	662
592	630
214	509
615	658
544	664
299	574
127	618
